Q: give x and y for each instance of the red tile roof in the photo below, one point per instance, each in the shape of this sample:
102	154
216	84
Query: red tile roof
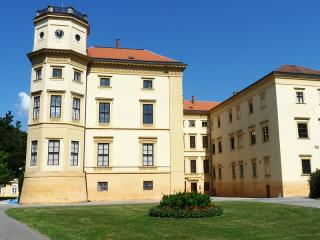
128	55
296	69
198	105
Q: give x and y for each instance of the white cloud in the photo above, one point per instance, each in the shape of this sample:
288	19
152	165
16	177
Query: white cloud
23	103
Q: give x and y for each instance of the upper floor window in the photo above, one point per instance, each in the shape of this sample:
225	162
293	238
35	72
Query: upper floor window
252	136
300	97
36	107
77	76
204	124
265	132
213	148
105	82
240	139
220	146
219	171
303	130
147	84
53	152
147	113
218	122
38	73
214	172
74	153
104	112
34	153
103	154
250	106
76	109
192	123
147	154
230	116
254	168
232	143
206	166
55	106
241	169
192	141
205	141
57	73
306	166
193	166
238	111
263	102
233	169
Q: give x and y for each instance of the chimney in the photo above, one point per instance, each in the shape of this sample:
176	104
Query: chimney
193	99
118	43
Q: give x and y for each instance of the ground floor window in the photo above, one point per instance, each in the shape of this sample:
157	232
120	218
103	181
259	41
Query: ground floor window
306	166
147	185
102	186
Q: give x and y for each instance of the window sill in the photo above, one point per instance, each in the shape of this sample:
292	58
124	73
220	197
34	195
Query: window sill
37	80
148	125
304	138
77	82
305	174
147	89
103	167
301	103
104	124
147	167
105	87
57	79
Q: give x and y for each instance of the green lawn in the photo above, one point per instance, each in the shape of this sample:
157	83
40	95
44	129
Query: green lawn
241	220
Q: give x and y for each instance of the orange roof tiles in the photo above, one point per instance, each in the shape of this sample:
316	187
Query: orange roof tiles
127	55
198	105
296	69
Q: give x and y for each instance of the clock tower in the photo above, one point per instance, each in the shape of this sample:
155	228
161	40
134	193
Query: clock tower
56	126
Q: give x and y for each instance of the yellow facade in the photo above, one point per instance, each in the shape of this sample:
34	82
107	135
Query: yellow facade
11	190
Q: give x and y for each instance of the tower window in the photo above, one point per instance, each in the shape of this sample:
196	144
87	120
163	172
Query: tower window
38	72
36	107
76	109
77	76
41	35
55	106
34	153
53	152
77	37
74	153
57	73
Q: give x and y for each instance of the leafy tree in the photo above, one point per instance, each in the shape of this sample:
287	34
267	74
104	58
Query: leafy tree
12	150
314	183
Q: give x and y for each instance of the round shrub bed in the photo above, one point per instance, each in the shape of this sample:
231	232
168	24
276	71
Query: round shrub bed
186	205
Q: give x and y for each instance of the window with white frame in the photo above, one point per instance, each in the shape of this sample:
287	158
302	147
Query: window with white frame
34	153
53	152
147	84
147	154
56	72
76	108
38	73
77	76
299	97
103	154
74	158
55	106
36	107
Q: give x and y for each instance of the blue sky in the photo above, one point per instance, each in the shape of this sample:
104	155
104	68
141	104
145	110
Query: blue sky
227	44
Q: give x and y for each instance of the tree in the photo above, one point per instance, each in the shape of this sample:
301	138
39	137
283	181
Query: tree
12	150
314	183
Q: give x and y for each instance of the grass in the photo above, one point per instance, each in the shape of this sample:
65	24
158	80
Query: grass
241	220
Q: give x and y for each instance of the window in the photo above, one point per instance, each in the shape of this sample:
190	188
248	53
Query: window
105	82
74	153
219	172
214	173
76	109
192	123
147	114
77	76
233	168
103	154
147	149
254	168
53	152
232	145
102	186
240	139
265	131
205	141
34	153
104	112
147	84
57	73
303	130
213	148
55	106
36	107
266	162
252	137
147	185
230	116
218	122
300	97
206	186
250	106
193	166
14	190
192	141
238	112
306	166
263	102
241	169
204	124
220	146
206	166
38	73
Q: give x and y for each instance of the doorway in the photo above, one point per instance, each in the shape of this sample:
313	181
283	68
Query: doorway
268	191
194	187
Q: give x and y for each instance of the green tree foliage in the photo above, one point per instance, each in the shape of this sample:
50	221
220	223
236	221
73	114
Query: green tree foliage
314	183
12	150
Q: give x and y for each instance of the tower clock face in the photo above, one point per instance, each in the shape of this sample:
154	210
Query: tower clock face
59	33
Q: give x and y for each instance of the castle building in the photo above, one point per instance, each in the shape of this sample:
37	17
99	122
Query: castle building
111	124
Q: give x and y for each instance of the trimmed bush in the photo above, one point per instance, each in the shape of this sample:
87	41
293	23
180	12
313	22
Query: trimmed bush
186	205
314	183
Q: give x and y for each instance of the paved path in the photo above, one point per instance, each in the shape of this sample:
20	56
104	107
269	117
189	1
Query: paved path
297	201
10	229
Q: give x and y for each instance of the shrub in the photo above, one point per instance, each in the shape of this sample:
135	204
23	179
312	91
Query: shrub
314	183
186	205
